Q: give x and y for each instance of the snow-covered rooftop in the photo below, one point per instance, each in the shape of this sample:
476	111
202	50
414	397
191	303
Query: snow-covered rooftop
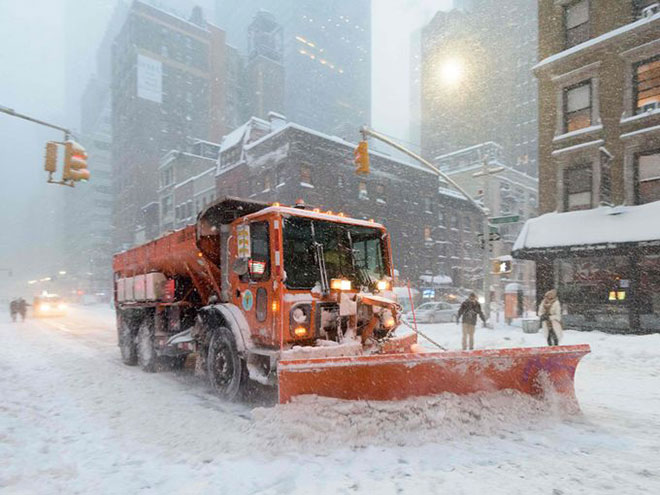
600	226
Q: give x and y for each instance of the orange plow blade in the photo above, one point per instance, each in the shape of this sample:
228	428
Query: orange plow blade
398	376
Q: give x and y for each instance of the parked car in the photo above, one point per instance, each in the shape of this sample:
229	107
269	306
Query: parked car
435	312
49	305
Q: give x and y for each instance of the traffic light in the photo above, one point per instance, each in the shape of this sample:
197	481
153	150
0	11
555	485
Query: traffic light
361	158
501	266
50	161
75	162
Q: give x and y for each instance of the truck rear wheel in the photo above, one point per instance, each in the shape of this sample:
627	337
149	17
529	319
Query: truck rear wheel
126	341
146	353
225	368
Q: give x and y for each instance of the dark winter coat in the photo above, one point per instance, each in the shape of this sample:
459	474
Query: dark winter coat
22	306
13	307
469	310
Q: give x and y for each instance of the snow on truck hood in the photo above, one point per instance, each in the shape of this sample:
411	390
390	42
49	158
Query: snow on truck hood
604	225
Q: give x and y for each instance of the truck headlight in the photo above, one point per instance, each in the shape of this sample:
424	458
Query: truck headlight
300	320
340	284
383	285
44	307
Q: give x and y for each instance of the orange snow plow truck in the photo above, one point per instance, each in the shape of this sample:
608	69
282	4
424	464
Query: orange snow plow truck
301	300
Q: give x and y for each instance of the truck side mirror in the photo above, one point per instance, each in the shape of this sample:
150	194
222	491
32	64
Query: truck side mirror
240	266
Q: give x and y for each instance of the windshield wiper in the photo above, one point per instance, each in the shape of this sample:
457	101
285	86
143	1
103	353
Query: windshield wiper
323	272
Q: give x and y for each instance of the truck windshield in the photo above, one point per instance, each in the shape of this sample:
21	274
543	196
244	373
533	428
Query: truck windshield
352	252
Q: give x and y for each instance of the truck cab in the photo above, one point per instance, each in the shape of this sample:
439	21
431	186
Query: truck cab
296	274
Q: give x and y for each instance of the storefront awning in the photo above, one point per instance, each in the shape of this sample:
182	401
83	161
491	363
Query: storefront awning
588	231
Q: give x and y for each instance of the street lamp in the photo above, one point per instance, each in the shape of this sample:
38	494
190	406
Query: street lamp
62	272
451	71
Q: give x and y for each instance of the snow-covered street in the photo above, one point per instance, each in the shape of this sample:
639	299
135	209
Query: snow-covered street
74	419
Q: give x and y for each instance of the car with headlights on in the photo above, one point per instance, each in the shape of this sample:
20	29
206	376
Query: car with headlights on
49	305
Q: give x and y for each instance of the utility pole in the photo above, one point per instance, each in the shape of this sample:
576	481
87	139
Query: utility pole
486	172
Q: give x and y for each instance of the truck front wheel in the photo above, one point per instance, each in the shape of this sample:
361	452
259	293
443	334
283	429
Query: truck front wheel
146	354
225	368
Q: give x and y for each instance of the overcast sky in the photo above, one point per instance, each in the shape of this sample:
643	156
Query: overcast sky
42	38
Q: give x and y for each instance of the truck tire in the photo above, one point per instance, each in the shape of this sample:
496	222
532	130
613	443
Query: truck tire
225	369
126	341
146	353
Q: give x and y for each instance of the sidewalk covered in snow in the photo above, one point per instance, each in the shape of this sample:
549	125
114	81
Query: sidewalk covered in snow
605	262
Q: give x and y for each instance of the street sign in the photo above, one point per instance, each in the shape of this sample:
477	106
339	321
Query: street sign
506	219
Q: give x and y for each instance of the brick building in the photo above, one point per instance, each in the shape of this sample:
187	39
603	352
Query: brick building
599	157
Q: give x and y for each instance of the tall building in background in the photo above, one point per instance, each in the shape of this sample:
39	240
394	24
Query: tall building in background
264	69
172	79
476	81
326	56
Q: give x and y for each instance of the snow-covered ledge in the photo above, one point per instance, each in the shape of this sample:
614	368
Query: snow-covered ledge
579	132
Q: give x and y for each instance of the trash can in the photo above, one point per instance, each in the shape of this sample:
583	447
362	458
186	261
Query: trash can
513	302
531	325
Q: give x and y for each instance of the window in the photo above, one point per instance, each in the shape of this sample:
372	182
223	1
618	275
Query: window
466	224
259	262
340	181
454	222
428	205
362	190
576	20
427	233
578	187
441	218
648	177
577	106
267	182
380	191
647	85
305	174
280	175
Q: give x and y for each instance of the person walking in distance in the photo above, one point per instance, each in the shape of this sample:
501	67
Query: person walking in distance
13	309
550	315
469	311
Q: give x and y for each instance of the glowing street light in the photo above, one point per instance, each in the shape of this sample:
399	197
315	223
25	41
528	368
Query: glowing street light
451	71
62	272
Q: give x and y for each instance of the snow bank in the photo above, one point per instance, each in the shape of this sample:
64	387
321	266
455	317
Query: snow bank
312	423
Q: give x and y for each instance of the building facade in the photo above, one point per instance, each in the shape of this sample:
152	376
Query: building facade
509	193
179	172
433	232
476	80
599	152
326	56
172	78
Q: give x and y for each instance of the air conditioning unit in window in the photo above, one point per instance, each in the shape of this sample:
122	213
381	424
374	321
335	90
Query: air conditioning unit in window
650	11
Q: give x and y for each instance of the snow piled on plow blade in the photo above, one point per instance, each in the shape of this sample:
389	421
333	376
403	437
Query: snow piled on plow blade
533	371
320	424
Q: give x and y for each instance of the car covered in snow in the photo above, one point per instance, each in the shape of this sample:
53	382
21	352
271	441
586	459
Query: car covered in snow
434	312
49	305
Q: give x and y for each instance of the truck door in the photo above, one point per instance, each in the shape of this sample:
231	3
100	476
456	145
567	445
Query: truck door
253	290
